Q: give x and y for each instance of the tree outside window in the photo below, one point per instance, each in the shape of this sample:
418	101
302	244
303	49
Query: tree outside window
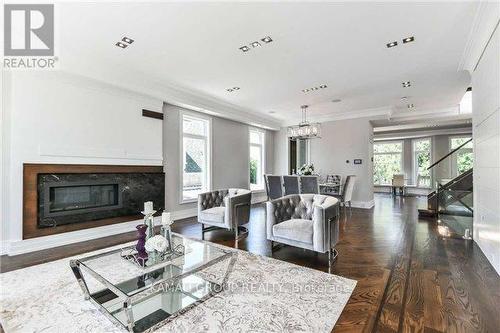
387	161
256	177
463	159
421	161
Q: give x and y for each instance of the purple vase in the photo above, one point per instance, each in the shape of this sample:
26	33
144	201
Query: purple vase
142	255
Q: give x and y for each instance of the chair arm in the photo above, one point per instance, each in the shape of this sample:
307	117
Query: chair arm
237	209
325	216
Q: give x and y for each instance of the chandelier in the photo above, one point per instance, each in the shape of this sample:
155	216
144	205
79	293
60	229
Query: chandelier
305	129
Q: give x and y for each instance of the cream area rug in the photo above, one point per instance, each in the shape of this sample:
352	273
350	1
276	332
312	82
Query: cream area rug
278	297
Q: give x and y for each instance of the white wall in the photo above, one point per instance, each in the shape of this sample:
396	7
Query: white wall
53	117
486	132
230	157
340	141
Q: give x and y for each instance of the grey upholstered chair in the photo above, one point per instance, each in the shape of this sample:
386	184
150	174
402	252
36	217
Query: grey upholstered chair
308	221
274	187
346	196
227	209
309	184
291	185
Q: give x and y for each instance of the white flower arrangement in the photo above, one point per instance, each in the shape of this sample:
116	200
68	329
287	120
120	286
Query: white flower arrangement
156	243
306	169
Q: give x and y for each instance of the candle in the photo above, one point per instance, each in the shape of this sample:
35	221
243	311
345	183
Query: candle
165	218
148	207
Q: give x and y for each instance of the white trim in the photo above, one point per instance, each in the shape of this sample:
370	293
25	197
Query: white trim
262	146
208	147
184	214
41	243
46	242
363	204
384	112
414	160
485	21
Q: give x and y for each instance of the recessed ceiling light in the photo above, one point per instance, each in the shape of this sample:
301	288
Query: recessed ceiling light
404	98
255	44
122	45
391	44
410	106
406	84
267	39
245	48
323	86
127	40
236	88
408	39
305	90
229	89
336	100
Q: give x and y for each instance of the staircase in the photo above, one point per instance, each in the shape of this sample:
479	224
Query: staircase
452	201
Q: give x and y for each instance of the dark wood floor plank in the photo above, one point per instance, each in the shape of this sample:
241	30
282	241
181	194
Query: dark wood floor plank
409	277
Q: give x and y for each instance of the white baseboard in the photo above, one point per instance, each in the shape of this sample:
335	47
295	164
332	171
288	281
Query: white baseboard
363	204
41	243
183	214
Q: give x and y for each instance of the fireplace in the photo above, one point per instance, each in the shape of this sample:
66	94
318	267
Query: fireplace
60	198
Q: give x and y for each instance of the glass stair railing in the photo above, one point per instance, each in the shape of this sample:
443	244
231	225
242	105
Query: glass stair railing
451	200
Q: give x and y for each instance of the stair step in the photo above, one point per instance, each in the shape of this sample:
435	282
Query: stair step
426	213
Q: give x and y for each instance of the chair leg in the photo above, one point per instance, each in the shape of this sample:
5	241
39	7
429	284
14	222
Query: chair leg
202	231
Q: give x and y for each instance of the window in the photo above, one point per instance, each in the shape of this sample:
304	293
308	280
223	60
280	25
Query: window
387	161
463	159
421	161
256	160
195	149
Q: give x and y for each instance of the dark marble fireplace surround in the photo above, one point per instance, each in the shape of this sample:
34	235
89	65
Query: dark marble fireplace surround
61	198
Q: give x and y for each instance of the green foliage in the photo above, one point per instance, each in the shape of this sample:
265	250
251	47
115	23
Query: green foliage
385	166
465	162
253	171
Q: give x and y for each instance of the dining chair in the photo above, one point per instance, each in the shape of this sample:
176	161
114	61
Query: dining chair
398	183
291	185
274	187
309	184
346	196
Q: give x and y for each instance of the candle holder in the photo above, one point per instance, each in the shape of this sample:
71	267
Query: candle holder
167	233
149	222
142	255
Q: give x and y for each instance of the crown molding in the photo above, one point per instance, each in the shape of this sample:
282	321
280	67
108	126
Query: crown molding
485	22
372	113
177	95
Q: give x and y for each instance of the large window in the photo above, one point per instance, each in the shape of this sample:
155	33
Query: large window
195	150
463	159
256	159
387	161
421	161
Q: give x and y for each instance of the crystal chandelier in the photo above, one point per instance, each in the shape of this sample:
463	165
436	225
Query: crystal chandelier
305	129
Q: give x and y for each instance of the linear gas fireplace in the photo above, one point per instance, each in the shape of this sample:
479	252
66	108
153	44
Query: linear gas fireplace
60	198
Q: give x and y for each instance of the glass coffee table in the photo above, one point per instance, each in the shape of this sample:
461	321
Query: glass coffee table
145	298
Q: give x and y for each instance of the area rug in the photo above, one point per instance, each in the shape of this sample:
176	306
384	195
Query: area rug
280	297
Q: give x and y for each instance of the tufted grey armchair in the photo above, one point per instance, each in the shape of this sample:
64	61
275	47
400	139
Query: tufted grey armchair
227	209
308	221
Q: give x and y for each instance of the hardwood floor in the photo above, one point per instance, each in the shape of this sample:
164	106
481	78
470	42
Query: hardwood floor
410	279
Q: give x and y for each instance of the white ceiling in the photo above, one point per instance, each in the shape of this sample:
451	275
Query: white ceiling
195	47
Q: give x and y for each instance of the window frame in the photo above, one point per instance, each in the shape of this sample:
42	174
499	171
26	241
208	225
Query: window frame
389	153
415	161
262	145
453	160
208	148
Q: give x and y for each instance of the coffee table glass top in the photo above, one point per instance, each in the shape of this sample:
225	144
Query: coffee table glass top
130	279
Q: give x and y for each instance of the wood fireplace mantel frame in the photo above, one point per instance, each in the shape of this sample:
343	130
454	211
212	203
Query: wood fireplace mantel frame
30	195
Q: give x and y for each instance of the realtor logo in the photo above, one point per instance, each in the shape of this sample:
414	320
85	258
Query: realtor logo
29	30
